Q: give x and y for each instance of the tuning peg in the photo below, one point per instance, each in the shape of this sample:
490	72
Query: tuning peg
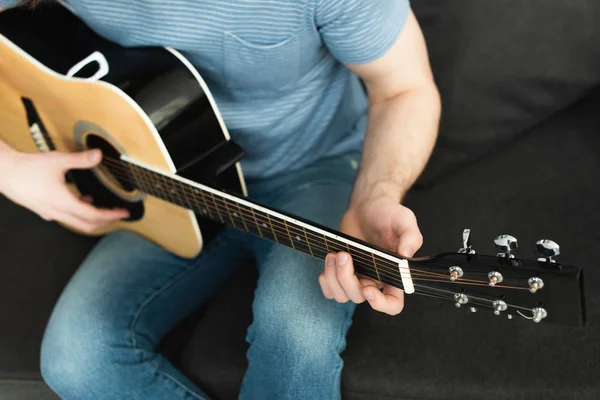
460	299
499	306
506	244
548	249
467	248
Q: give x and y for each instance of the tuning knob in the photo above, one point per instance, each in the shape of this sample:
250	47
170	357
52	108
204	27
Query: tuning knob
506	244
548	249
467	247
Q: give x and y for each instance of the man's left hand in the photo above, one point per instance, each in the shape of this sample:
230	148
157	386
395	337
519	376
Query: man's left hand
381	221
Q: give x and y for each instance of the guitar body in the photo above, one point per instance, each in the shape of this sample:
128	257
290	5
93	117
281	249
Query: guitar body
149	104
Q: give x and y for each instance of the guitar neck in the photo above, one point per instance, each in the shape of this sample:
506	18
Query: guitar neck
276	226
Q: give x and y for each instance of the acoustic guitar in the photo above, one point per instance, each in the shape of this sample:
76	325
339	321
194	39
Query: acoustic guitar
168	159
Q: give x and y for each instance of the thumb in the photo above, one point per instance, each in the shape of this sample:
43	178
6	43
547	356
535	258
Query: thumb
82	160
410	241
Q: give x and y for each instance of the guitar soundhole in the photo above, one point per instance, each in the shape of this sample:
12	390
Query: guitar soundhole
112	168
109	185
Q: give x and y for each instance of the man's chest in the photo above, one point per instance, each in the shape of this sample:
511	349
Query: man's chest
238	43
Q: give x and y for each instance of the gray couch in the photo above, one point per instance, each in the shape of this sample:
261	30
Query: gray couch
518	153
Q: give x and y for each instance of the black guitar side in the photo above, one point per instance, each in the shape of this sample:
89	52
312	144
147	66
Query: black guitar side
153	77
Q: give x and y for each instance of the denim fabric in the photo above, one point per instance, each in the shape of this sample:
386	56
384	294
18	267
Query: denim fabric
128	293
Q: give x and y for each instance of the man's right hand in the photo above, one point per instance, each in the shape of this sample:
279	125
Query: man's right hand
37	182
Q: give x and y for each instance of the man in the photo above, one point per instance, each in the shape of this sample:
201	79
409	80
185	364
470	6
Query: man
286	77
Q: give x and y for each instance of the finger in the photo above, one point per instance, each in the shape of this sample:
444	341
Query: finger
77	223
390	301
87	199
325	288
347	279
94	215
410	240
81	160
71	204
370	282
332	282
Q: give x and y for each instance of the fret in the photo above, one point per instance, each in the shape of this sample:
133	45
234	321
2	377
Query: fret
359	258
289	235
266	226
272	230
132	170
230	214
299	239
256	222
187	197
261	223
235	215
300	245
249	224
161	189
319	252
172	187
362	269
206	209
375	265
242	216
217	207
334	246
298	233
307	241
145	180
280	230
165	189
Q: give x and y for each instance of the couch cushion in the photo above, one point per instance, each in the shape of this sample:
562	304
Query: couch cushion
545	185
504	66
36	261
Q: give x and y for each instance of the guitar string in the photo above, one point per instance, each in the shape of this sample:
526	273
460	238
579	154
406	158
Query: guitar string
450	295
315	246
393	266
357	257
275	231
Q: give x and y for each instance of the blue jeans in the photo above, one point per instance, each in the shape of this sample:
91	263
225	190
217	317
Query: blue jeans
101	338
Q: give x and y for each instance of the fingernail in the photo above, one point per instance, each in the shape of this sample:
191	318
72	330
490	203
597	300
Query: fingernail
369	296
94	155
408	252
342	258
331	259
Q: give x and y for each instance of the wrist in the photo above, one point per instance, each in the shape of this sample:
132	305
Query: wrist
366	190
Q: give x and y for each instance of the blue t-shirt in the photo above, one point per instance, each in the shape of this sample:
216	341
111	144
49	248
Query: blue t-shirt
275	67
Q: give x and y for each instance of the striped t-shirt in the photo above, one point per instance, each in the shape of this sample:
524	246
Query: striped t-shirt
275	67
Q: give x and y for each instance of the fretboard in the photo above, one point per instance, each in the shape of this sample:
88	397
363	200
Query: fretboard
240	213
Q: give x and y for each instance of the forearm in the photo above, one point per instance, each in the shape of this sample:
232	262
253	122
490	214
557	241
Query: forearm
7	154
401	133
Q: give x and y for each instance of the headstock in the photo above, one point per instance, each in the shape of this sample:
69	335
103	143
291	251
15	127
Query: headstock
504	284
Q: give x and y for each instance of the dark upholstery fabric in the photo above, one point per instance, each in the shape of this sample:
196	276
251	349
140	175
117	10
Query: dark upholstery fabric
36	261
25	390
504	66
544	185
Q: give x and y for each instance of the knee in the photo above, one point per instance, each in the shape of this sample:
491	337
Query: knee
82	349
308	337
73	363
61	370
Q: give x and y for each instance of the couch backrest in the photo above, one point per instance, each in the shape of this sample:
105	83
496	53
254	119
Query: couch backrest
503	66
